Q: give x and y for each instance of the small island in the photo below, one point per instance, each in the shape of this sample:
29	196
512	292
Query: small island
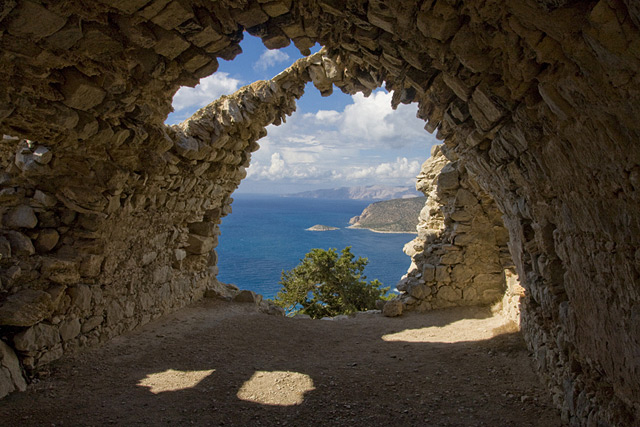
319	227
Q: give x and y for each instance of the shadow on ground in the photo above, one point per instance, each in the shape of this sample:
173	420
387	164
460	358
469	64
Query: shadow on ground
224	364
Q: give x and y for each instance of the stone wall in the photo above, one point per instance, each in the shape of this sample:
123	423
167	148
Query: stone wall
537	99
98	240
460	254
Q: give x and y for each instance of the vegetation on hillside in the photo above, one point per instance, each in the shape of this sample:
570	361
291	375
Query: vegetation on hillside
326	284
397	215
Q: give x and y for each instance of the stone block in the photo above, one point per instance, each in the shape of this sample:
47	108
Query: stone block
80	92
428	272
70	329
208	229
5	248
419	291
442	274
42	155
138	33
115	313
449	293
26	308
11	376
20	244
393	308
126	6
36	338
193	59
485	108
21	22
174	14
80	297
51	355
486	280
91	323
169	44
44	199
251	16
276	8
248	297
47	240
275	39
448	179
462	274
91	265
21	216
60	271
452	257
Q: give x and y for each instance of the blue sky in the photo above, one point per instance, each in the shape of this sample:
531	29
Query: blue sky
337	141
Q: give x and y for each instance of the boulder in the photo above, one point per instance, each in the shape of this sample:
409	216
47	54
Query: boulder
21	216
47	240
393	308
20	244
26	308
199	245
219	290
248	296
37	337
270	308
11	377
60	271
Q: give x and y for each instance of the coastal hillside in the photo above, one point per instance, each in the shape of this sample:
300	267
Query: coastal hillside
371	192
397	215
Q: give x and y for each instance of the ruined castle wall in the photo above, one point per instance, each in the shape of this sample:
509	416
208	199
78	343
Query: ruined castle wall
460	254
537	99
86	259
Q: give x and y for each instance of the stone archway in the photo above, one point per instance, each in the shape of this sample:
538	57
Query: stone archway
539	99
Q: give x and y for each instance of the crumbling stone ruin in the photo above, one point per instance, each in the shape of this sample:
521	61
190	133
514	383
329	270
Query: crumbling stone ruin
110	218
460	256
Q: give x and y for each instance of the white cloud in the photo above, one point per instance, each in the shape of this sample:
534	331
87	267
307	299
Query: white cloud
402	169
324	116
281	169
372	120
269	58
366	143
209	89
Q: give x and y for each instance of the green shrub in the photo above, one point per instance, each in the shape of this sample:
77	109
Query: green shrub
325	284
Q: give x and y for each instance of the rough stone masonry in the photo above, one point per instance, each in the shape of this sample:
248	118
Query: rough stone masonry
109	217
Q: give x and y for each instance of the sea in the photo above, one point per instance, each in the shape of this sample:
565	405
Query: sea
267	234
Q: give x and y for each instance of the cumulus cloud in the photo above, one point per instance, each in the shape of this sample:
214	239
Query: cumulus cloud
402	169
324	116
269	58
209	89
279	169
366	143
373	120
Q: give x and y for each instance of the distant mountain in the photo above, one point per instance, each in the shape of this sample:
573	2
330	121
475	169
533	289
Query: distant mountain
371	192
391	216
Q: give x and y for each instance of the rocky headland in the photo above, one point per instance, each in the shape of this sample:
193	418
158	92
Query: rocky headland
390	216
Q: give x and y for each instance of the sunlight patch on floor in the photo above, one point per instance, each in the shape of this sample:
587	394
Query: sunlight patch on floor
279	388
171	380
458	331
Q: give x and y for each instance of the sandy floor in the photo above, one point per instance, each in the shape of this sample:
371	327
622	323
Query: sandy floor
219	363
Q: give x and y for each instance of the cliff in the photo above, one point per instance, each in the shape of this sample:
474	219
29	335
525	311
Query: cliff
397	215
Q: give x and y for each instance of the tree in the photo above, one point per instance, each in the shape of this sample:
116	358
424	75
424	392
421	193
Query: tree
325	284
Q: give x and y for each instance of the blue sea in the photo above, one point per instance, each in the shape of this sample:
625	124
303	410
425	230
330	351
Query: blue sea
266	235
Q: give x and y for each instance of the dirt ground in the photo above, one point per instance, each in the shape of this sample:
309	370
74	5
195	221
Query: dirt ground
218	363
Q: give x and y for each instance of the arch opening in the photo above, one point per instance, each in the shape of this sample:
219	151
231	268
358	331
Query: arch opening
538	100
